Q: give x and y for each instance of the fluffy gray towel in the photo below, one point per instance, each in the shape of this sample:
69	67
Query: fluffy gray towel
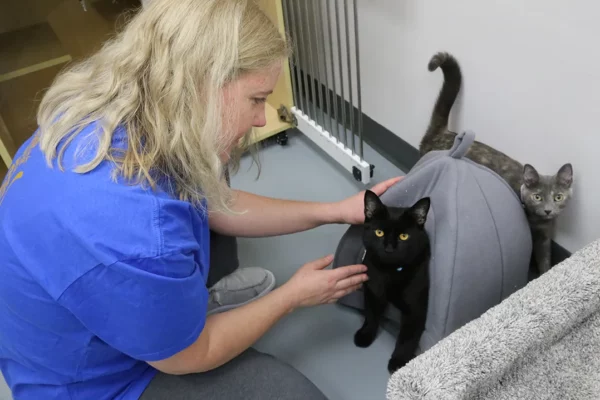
543	342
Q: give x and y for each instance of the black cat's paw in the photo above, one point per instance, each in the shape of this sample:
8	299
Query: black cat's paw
364	337
397	362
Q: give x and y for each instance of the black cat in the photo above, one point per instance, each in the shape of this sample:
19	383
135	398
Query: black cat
397	257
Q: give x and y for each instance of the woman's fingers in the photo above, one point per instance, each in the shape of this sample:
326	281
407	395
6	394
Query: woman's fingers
320	263
345	292
382	187
351	281
348	270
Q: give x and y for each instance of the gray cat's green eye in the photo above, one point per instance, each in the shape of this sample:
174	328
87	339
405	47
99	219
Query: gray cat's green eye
558	197
537	197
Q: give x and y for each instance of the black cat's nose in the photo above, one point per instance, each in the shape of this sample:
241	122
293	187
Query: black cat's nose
547	212
389	249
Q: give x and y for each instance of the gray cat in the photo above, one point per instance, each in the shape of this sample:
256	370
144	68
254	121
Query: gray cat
543	196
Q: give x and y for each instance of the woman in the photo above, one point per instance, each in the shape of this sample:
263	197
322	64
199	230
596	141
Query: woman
107	210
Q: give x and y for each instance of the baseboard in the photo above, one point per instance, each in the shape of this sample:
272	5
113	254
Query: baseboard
389	145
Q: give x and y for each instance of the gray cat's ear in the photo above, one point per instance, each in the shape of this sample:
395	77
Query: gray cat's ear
530	176
373	206
564	176
420	209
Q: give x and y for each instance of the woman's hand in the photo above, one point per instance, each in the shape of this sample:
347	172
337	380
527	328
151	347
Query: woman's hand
313	285
227	334
352	209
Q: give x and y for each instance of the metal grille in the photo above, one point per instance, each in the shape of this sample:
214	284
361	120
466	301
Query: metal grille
325	71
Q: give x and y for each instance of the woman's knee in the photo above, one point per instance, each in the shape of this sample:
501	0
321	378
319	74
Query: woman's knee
277	379
252	375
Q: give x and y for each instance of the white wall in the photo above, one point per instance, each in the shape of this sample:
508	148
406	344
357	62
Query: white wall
531	82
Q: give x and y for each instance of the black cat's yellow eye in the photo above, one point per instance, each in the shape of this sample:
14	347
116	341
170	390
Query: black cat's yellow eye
537	197
379	233
403	236
558	197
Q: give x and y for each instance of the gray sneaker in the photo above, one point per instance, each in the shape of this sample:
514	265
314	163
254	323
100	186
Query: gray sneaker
238	288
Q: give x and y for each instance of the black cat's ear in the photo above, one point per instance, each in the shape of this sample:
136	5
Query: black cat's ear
420	209
530	176
564	176
373	206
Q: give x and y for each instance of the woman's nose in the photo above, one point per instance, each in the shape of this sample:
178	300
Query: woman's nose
260	120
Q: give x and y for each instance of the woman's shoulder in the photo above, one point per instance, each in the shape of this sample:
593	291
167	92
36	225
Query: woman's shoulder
116	218
136	221
76	222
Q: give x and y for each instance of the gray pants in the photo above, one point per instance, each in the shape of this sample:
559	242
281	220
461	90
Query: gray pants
252	375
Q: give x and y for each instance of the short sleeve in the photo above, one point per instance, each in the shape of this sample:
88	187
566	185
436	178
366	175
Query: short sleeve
145	314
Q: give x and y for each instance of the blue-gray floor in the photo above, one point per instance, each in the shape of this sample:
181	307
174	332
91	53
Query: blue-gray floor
317	341
4	392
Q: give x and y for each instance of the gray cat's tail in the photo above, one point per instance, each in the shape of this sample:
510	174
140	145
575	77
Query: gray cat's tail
447	96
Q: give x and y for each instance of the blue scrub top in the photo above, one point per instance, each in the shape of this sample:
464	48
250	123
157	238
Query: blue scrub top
96	277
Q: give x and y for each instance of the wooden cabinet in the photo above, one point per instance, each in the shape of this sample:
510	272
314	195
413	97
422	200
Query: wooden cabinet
45	35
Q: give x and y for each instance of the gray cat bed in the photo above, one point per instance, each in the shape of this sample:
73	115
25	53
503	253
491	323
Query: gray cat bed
481	243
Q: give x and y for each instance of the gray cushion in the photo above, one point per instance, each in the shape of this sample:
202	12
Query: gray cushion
481	243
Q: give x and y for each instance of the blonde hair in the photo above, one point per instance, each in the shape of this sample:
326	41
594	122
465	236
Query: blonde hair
161	78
